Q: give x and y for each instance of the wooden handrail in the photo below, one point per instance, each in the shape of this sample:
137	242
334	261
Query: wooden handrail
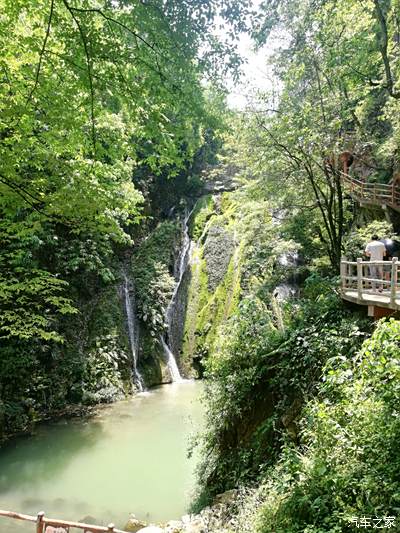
355	278
358	279
42	523
18	516
377	193
367	262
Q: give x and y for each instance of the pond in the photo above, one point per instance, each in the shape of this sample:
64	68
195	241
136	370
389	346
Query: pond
130	458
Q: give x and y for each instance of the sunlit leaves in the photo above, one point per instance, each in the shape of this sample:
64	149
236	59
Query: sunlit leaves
90	91
30	302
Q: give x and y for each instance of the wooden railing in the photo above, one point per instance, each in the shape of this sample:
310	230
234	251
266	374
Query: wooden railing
45	525
372	193
371	281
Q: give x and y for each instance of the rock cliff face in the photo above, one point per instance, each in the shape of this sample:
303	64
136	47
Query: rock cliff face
153	271
208	292
95	363
207	296
214	278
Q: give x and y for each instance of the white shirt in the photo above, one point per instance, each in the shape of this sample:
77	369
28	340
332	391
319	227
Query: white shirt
376	249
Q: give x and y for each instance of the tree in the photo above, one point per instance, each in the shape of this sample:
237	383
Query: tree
333	98
90	91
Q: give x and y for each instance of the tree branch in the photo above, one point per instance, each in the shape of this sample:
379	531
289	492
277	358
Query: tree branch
39	66
22	192
111	19
89	70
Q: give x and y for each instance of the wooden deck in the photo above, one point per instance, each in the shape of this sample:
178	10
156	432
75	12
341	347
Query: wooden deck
371	283
370	298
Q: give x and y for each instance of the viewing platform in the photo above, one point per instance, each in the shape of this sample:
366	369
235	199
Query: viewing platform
371	283
379	194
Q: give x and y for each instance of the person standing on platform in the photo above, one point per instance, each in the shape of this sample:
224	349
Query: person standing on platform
376	251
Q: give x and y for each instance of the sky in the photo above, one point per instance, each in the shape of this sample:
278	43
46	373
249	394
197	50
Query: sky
256	76
256	73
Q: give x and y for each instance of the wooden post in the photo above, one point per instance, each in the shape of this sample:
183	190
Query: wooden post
359	278
393	282
40	522
111	527
343	274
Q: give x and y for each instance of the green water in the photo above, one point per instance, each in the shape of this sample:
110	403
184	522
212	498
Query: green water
131	458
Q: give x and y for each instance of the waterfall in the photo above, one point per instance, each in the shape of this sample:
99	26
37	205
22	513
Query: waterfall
182	264
284	291
171	361
180	272
132	333
288	288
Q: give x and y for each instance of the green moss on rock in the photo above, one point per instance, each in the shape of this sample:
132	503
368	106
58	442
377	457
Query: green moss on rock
214	287
220	306
202	212
151	362
197	299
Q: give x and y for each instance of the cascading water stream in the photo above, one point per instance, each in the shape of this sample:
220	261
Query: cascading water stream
171	361
181	269
132	333
289	288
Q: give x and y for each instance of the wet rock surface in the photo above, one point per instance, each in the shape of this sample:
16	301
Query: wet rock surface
218	250
220	179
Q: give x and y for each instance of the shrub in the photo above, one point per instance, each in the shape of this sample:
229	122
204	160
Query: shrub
349	464
261	375
153	282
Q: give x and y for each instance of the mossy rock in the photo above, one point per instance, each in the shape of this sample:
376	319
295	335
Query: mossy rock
218	250
202	212
214	287
151	364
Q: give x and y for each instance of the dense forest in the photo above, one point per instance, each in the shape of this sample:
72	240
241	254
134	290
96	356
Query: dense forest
118	151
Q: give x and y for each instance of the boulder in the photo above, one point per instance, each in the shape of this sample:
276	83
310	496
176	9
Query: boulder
134	525
226	497
173	526
195	526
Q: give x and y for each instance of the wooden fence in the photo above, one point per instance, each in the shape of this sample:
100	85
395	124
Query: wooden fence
373	193
47	525
377	281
